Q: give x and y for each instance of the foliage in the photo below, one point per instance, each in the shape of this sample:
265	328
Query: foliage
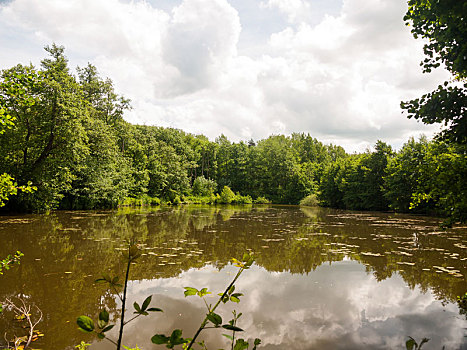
9	187
411	344
261	200
10	260
443	24
227	196
87	325
212	318
310	201
462	303
203	187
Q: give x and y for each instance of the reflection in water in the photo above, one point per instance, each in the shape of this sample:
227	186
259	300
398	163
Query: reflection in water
323	278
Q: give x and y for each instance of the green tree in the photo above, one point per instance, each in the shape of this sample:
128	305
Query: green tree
443	24
404	175
203	187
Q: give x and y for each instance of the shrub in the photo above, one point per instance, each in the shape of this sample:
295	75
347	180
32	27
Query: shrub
239	199
203	187
261	200
310	201
227	196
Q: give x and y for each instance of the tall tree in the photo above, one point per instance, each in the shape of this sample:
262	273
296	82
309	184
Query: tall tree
443	24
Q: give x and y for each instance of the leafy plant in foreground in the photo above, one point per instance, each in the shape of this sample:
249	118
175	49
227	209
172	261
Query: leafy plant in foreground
87	325
213	319
10	260
411	344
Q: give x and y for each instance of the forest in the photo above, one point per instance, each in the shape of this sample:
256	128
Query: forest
65	145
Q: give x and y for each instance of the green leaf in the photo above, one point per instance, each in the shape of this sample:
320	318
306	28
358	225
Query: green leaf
228	336
214	318
160	339
232	328
246	257
203	292
176	337
134	252
137	308
100	335
257	342
146	303
409	344
85	323
154	309
190	291
108	328
103	319
231	290
114	280
241	344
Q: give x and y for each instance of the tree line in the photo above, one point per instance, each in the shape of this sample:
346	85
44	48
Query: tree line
67	137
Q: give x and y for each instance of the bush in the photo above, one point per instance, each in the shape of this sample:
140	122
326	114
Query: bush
203	187
140	201
261	200
310	201
239	199
227	196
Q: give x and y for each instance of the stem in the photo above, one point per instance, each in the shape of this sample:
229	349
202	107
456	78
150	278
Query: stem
132	319
116	292
203	324
122	318
110	340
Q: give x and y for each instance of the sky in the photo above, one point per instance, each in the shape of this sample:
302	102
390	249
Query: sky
337	69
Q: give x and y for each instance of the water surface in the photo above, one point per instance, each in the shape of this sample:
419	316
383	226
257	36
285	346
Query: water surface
322	278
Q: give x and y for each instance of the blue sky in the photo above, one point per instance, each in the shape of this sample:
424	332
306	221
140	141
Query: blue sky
336	69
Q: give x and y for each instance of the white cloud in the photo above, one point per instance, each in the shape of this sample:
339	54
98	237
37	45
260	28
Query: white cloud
341	80
296	10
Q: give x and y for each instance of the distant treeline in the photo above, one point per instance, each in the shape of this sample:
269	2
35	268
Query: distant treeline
70	140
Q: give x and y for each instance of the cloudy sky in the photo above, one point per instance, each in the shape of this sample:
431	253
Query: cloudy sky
336	69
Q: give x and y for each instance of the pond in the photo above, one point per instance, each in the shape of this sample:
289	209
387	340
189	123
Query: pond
322	278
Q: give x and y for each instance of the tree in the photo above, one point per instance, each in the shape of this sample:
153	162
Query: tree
443	24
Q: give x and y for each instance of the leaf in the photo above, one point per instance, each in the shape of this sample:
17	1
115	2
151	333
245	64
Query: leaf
103	319
136	306
154	309
214	318
114	280
203	292
190	291
409	344
424	340
146	303
100	335
246	257
160	339
232	328
257	342
232	289
108	328
85	323
241	344
134	252
228	336
176	337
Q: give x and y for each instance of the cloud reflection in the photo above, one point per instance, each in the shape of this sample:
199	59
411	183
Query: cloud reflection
337	306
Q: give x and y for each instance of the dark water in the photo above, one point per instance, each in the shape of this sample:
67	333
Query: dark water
323	279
